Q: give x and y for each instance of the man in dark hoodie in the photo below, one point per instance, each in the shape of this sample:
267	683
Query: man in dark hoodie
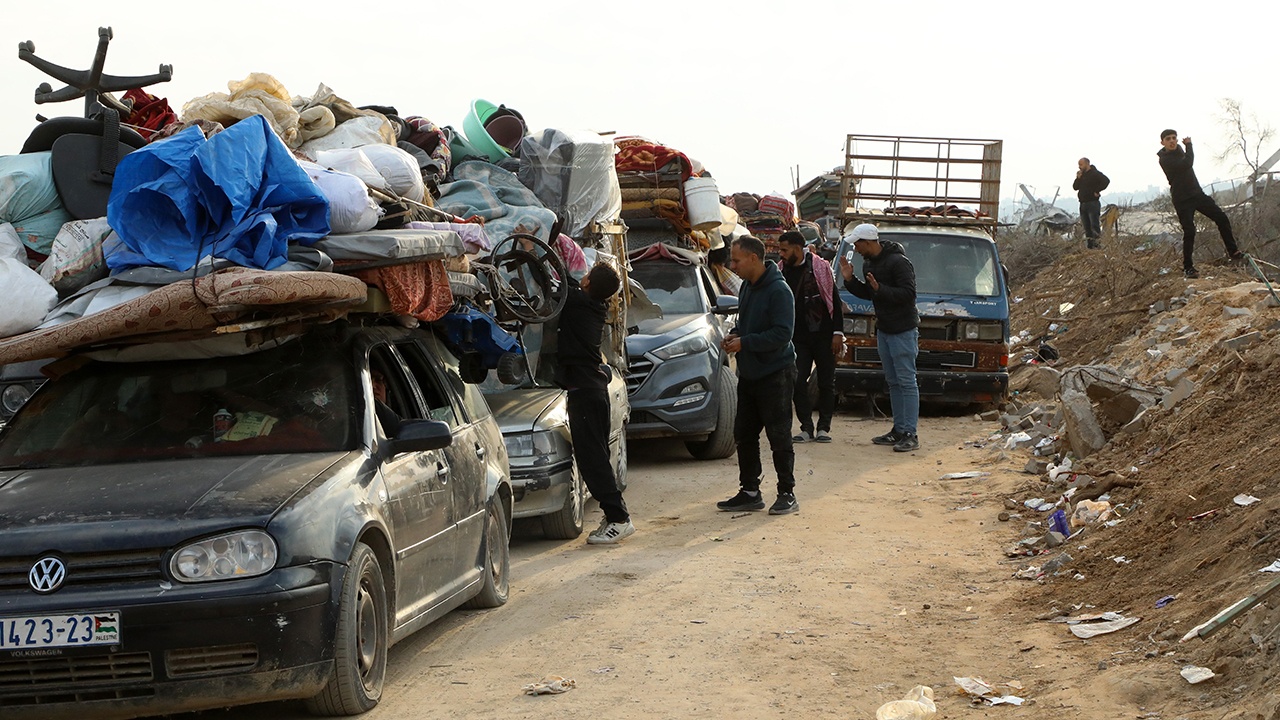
766	377
1089	184
1188	198
891	287
580	370
818	337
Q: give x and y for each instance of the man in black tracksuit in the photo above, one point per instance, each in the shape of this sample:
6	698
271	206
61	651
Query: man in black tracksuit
1089	184
766	377
818	336
580	370
1188	198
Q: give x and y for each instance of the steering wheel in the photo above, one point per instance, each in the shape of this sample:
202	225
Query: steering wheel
527	278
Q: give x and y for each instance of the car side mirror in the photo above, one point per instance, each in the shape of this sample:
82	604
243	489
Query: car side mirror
420	436
726	305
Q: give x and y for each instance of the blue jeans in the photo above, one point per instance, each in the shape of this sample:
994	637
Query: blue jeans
898	356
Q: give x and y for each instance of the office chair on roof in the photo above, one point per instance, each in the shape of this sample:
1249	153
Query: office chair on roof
85	150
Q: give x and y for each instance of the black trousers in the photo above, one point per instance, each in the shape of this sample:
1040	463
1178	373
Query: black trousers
589	428
1091	219
815	349
765	404
1205	205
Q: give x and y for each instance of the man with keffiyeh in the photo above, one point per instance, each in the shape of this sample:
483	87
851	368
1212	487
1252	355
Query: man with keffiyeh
818	336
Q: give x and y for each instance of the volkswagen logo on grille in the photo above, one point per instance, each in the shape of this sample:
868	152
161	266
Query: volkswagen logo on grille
47	575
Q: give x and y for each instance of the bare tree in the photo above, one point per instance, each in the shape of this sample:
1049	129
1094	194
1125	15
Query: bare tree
1245	135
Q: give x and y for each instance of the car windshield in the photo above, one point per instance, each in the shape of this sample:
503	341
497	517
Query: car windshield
670	285
286	400
945	265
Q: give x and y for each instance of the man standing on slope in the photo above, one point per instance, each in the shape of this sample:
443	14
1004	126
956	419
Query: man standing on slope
891	287
1188	198
1089	184
766	377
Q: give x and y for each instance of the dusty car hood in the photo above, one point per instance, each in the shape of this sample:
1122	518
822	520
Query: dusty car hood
520	410
249	486
660	331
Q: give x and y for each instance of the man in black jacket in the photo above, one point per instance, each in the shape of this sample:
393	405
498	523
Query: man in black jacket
1187	197
580	370
766	377
1089	184
818	336
891	287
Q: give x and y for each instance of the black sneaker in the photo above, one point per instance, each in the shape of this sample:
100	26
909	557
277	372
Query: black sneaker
890	438
907	443
784	505
742	501
1190	273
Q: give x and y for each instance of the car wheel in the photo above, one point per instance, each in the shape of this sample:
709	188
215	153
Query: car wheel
566	523
621	469
497	561
360	646
720	444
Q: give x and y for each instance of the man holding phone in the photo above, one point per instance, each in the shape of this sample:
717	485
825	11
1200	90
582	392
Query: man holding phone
891	287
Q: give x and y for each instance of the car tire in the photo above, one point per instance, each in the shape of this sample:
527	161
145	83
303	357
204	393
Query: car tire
621	470
566	523
720	443
496	554
360	643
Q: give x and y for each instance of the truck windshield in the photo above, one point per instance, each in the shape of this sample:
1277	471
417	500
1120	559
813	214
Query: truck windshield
272	402
945	265
670	285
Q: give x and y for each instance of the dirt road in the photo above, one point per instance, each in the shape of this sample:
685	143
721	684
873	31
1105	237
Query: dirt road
887	578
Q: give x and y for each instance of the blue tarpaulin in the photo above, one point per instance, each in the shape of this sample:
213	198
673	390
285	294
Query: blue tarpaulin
239	195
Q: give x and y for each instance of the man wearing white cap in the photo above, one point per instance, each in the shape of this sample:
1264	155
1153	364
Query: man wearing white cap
890	285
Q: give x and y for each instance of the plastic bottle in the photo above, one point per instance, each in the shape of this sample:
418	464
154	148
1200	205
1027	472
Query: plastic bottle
917	705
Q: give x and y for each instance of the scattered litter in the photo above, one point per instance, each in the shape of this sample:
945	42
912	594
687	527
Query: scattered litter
1031	572
1273	567
1203	515
603	670
1088	630
1244	500
979	690
1120	559
1038	504
1090	511
1014	439
1167	599
717	538
552	685
917	705
962	475
1195	674
1065	308
698	622
1058	523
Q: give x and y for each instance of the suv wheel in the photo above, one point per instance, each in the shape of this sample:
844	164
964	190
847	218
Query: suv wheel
720	443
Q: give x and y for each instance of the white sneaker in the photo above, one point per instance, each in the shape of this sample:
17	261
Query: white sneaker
611	533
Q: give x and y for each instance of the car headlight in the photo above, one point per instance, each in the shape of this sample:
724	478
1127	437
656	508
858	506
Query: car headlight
981	331
542	442
857	326
243	554
13	398
690	344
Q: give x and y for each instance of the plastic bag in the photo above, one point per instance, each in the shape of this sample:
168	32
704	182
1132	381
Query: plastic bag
399	168
917	705
28	298
29	199
573	174
1089	511
351	209
258	94
353	161
75	258
356	132
10	244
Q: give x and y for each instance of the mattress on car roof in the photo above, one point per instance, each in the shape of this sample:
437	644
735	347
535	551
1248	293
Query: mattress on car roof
392	245
203	303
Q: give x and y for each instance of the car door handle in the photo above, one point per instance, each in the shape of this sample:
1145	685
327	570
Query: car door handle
442	472
480	451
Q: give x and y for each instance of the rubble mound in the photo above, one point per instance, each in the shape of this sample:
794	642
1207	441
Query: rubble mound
1195	378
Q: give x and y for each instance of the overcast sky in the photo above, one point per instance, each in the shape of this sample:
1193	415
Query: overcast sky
749	89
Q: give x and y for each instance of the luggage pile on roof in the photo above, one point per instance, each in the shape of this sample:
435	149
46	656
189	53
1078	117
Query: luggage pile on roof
765	217
664	187
256	207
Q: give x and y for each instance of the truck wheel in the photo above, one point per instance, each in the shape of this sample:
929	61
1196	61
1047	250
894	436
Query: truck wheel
720	443
566	523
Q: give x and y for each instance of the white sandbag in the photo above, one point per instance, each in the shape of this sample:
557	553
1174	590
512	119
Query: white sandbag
28	298
10	244
75	258
353	161
399	168
358	131
351	210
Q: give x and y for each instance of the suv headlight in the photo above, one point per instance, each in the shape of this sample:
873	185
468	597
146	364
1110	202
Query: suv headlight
243	554
13	398
542	442
857	326
690	344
